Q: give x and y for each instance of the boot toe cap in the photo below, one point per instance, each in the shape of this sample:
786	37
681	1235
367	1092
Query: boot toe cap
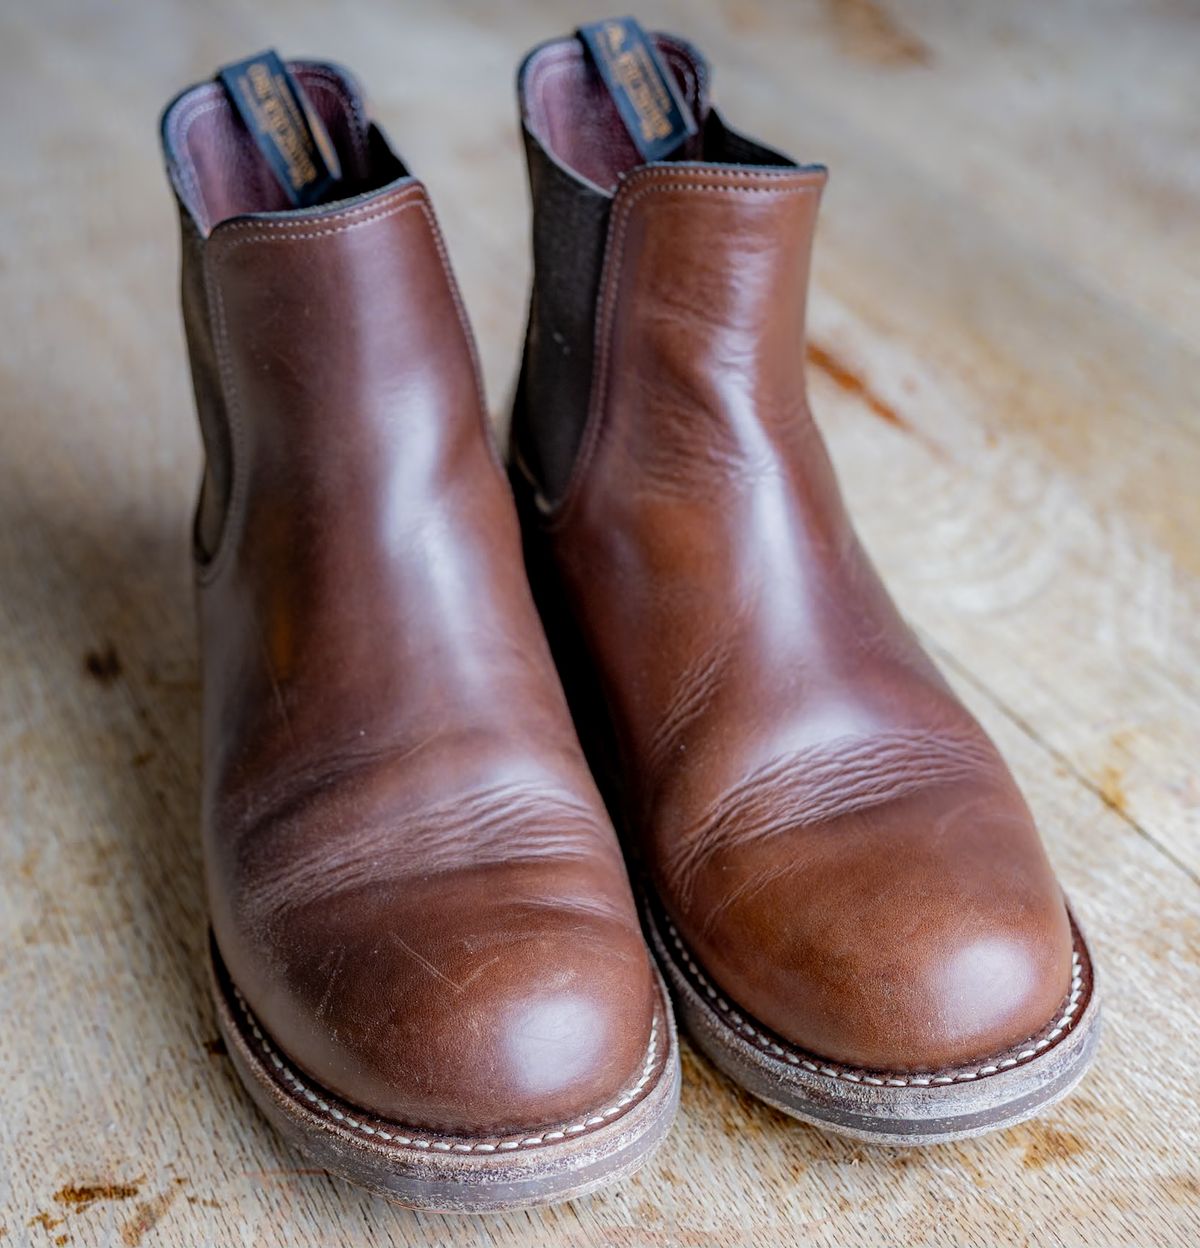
889	948
486	1017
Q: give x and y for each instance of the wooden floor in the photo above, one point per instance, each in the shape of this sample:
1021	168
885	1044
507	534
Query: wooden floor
1005	324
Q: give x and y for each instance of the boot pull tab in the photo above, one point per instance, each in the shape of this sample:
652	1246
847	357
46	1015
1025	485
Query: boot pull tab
649	102
285	127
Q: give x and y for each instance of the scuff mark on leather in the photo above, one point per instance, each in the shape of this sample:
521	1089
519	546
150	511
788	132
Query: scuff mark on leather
425	962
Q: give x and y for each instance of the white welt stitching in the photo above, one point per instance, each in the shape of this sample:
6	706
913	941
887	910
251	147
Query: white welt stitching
880	1080
445	1146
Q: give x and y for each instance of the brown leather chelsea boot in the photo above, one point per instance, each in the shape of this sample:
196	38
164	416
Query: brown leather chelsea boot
427	960
843	882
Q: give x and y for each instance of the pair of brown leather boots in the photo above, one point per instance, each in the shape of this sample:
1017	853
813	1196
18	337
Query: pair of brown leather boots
427	956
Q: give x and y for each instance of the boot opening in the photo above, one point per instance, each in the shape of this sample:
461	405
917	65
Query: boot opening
219	171
569	111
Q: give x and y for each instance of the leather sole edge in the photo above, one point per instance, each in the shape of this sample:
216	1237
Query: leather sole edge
452	1181
904	1116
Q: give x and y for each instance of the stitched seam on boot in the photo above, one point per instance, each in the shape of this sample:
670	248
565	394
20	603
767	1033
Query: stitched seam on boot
499	1145
876	1078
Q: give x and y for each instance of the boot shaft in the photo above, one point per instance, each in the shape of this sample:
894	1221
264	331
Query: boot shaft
722	258
329	342
673	477
353	520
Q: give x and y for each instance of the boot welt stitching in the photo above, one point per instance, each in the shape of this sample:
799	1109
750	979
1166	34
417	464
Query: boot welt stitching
445	1146
851	1075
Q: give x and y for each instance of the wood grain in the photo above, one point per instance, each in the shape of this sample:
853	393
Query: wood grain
1006	364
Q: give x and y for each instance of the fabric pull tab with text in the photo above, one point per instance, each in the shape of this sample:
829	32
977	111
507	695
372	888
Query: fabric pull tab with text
643	89
284	125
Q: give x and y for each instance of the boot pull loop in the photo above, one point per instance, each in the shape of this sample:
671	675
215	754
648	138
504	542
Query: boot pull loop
286	128
650	104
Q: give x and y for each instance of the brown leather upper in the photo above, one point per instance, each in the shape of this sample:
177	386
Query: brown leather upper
411	876
834	836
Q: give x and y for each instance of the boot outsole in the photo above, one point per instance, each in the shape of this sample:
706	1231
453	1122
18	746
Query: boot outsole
427	1170
879	1107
